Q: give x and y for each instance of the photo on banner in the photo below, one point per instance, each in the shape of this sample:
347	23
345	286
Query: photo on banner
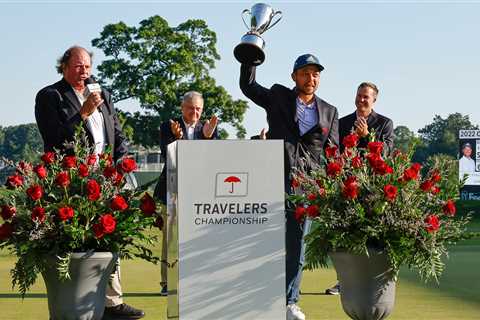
469	163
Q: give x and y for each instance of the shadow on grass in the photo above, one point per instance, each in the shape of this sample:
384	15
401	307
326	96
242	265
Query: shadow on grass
459	279
19	296
44	295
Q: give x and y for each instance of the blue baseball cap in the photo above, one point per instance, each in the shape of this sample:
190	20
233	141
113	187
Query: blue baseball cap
305	60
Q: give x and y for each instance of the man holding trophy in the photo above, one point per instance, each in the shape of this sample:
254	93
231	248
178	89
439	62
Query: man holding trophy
306	123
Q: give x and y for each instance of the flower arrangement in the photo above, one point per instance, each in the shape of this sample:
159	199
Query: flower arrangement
362	199
73	203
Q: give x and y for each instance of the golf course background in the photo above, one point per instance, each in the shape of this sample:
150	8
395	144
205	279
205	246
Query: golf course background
457	296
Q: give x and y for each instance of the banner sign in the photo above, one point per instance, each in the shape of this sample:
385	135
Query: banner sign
469	163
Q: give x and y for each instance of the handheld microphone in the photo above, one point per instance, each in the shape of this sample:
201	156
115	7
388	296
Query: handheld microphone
92	86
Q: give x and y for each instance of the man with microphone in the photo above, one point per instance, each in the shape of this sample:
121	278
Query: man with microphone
59	109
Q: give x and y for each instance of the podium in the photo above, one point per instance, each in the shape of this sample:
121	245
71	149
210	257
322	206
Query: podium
226	230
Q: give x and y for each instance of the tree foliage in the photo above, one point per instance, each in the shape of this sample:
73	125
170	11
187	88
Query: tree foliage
441	136
156	64
404	138
21	142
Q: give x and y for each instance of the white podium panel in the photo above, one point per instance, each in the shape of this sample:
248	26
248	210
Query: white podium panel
226	230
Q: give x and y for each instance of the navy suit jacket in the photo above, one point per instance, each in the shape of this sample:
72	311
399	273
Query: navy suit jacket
382	126
57	112
280	104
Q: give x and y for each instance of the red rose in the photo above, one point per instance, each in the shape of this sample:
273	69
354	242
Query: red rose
433	224
416	167
357	162
435	190
159	222
436	177
48	157
127	165
117	179
93	190
38	213
147	205
15	181
375	147
299	213
331	152
410	174
6	231
373	158
35	192
41	171
83	170
295	183
312	211
334	169
91	160
118	203
62	179
351	140
426	186
108	223
65	213
69	162
390	192
311	197
8	212
449	208
350	188
98	230
381	167
109	172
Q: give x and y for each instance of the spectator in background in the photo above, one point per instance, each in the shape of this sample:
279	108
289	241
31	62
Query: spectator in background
187	127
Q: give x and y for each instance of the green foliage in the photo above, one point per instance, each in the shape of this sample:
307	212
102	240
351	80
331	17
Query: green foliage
362	200
156	64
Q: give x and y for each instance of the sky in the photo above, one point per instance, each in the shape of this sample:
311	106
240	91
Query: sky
423	56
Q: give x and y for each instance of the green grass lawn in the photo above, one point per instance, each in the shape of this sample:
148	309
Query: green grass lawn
456	297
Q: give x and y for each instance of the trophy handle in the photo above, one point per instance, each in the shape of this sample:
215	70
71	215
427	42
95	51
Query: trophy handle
243	18
279	18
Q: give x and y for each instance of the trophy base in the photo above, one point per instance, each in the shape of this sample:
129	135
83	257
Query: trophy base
250	50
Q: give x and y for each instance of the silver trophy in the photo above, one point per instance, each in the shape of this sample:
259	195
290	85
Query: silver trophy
250	49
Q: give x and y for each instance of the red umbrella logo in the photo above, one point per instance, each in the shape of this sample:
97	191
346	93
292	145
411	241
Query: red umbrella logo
232	180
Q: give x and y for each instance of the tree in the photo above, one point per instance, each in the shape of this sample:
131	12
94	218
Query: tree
22	142
404	138
156	64
441	136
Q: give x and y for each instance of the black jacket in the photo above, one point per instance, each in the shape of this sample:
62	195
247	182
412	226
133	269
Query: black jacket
57	111
382	125
280	104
